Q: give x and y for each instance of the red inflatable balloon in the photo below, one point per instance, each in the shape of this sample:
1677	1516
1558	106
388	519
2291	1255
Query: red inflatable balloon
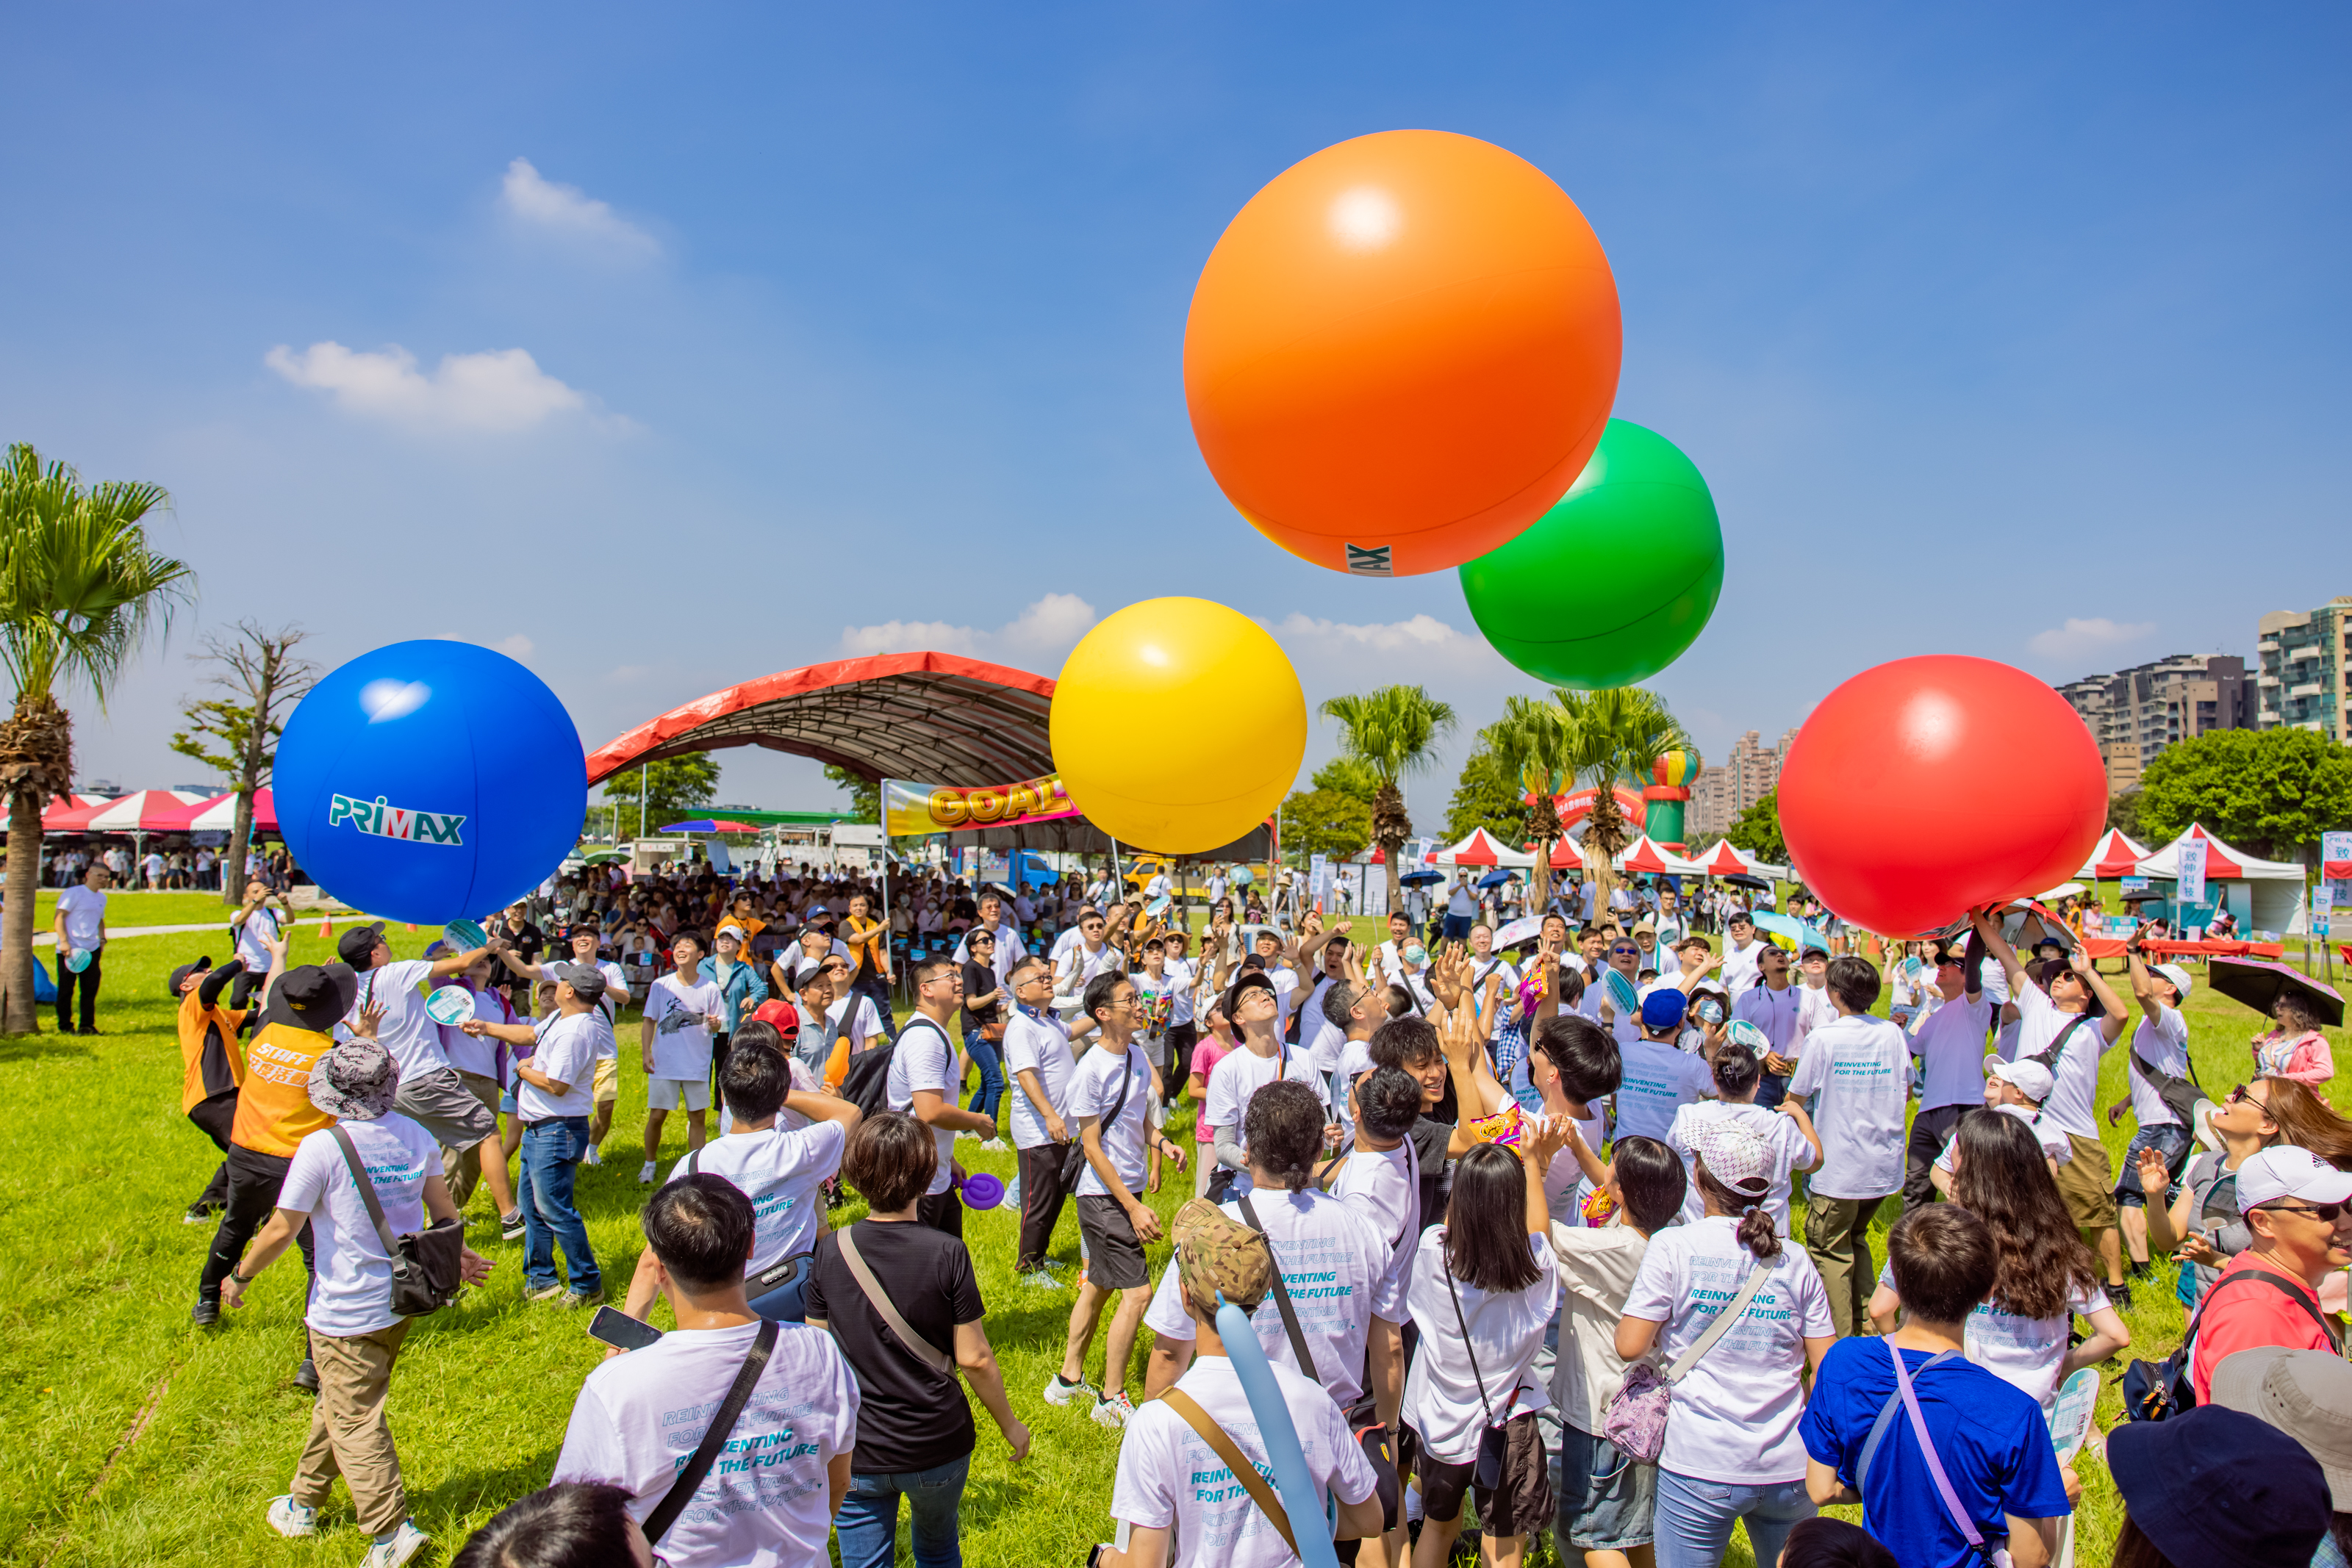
1927	787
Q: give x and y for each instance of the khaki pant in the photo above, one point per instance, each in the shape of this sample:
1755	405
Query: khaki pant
462	1168
1837	1234
349	1436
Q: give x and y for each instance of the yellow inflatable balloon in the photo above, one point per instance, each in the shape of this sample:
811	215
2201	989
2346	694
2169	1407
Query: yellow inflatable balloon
1178	725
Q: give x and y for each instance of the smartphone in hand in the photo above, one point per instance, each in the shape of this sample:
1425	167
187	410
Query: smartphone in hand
617	1329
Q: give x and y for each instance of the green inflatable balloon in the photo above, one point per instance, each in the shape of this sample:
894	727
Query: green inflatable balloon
1638	527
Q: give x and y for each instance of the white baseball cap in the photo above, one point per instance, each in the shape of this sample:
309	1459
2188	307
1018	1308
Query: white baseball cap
2285	1171
2029	1079
2177	976
1732	1154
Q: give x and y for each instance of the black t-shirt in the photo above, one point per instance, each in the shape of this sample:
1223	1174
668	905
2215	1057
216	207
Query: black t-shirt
979	979
527	943
1430	1139
908	1417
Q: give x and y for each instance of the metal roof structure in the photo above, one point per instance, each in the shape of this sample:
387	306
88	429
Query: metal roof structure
930	716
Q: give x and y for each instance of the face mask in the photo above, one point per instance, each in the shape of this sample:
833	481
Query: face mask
1416	953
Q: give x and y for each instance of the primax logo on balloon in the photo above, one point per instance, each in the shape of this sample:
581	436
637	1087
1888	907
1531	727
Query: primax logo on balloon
385	821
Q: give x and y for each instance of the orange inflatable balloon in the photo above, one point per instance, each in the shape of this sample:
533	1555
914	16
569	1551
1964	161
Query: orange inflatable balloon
1402	353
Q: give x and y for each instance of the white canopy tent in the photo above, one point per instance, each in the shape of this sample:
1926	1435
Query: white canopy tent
2274	889
1483	848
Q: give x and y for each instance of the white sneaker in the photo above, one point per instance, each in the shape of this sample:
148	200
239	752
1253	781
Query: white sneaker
1114	1411
1060	1393
594	1156
993	1145
646	1174
292	1520
966	1135
397	1548
1040	1279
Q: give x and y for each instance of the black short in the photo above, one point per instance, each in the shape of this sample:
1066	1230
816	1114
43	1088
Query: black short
1519	1504
942	1211
1114	1252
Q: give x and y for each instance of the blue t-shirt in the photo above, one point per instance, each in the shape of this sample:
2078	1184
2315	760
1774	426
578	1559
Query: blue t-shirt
1991	1436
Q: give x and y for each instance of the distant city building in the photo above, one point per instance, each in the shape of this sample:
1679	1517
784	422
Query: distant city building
1726	788
2302	660
2135	714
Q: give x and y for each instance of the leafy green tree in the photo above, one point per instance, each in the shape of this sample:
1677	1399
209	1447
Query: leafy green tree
79	591
2123	815
1610	735
1487	795
2272	792
1350	776
256	673
1393	731
1325	822
864	794
1758	830
644	799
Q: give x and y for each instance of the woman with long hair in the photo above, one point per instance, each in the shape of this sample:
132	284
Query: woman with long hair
1481	1293
2295	1047
2204	1228
2045	1276
2305	1120
1732	1449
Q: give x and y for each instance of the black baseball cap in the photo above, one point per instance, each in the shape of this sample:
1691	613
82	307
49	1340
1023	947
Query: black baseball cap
354	946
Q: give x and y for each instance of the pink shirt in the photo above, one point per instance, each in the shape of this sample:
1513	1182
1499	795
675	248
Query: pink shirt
2305	1058
1207	1052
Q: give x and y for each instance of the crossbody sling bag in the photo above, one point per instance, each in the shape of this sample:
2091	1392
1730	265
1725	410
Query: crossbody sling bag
1987	1553
1226	1448
425	1263
714	1437
2160	1390
1074	1163
776	1275
1282	1297
916	1345
1636	1418
1492	1441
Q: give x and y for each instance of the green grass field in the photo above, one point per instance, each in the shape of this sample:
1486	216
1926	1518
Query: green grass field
138	1438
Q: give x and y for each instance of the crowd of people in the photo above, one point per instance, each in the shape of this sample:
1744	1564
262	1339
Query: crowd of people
1511	1206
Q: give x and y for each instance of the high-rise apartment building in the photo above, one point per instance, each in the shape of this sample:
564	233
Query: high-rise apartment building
2304	658
2135	714
1725	789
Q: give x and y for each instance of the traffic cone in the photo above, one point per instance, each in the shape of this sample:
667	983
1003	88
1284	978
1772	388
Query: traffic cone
326	928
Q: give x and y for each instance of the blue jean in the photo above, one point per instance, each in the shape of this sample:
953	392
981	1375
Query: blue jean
982	1052
867	1523
551	1160
1693	1518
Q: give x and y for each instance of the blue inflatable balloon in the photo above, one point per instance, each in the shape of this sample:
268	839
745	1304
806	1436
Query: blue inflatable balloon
429	780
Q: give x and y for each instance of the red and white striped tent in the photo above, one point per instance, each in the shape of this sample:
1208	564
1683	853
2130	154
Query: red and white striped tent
2115	855
76	807
1645	855
2273	890
218	815
1725	858
1481	848
143	812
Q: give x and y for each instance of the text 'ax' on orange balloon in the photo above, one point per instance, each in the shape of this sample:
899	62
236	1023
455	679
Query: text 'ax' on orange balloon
1402	353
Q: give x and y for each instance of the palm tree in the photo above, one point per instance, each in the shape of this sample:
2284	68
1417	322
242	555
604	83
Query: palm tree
1616	733
1533	743
79	590
1392	730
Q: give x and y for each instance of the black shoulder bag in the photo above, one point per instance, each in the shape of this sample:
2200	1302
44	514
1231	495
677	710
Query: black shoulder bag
1494	1441
714	1437
2160	1390
1282	1297
425	1263
1074	1163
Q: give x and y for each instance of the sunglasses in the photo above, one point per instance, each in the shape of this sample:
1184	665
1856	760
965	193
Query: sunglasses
2326	1213
2239	1096
1624	952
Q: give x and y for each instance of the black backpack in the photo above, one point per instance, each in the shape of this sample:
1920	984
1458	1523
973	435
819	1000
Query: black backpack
2160	1390
867	1084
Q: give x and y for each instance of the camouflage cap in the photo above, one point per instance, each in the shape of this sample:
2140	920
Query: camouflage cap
1217	1254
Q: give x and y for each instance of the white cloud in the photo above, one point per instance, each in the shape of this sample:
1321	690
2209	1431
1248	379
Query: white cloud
567	213
1038	639
500	390
2081	639
515	647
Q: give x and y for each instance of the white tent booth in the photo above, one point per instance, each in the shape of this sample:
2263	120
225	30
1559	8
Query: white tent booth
2265	895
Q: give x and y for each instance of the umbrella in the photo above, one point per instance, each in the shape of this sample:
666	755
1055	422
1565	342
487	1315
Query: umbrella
1740	878
2258	984
1494	878
1421	878
603	857
706	826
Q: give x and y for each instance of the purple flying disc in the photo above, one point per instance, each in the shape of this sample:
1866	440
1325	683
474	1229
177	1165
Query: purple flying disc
982	1190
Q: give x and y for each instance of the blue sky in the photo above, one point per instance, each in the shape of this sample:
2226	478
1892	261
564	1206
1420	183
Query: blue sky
668	347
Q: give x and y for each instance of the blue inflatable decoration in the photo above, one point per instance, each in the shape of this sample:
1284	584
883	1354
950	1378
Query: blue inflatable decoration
1293	1482
429	780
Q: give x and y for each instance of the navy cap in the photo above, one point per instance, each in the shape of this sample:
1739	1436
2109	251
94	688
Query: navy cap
2221	1487
1663	1007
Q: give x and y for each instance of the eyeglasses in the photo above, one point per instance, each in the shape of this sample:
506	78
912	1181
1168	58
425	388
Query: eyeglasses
2326	1213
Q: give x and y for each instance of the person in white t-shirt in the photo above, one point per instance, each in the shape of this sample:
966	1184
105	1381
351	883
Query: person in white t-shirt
1481	1293
1857	1073
253	925
1660	1077
1009	948
2045	1275
781	1171
1080	964
1765	995
1948	1041
1461	909
1732	1449
81	925
1262	1058
1038	1058
1742	949
1172	1488
922	1081
553	1099
355	1336
682	1014
641	1413
1787	1133
1110	1100
2069	1015
582	941
2013	1089
1331	1260
2159	1050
